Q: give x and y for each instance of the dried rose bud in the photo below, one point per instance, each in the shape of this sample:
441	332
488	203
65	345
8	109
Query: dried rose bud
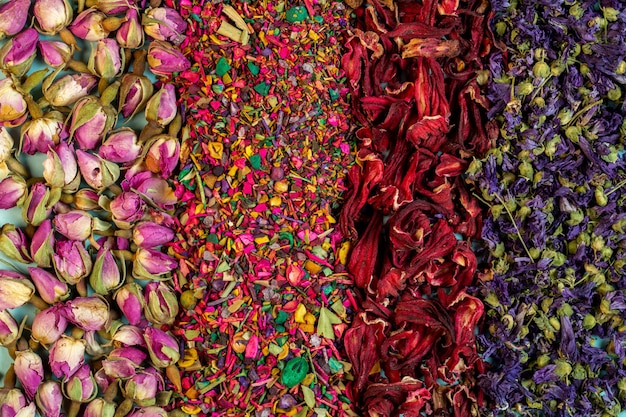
9	329
68	89
123	362
40	134
88	313
29	371
165	59
130	34
86	199
143	387
42	244
131	302
165	24
52	15
148	412
91	120
13	244
161	108
49	399
152	264
163	347
99	407
74	225
13	108
13	192
151	235
161	303
97	172
37	206
18	53
162	156
121	146
13	17
49	325
61	168
66	357
81	386
14	403
111	7
106	59
105	276
6	144
55	53
89	25
129	336
15	289
135	91
155	189
127	208
50	289
71	260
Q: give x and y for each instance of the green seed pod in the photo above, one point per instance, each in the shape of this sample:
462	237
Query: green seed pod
541	69
555	323
579	372
576	11
573	132
589	322
614	94
563	368
543	360
539	102
524	88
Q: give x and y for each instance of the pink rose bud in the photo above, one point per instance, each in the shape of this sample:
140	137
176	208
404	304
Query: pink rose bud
13	192
13	244
68	89
55	53
162	156
43	133
81	386
29	371
152	264
129	336
106	59
99	407
89	25
48	286
162	347
18	53
13	108
103	380
123	362
6	146
151	235
88	313
13	403
143	387
52	15
161	303
49	399
91	120
98	173
152	411
105	276
15	289
111	7
49	325
135	91
71	260
86	199
127	208
165	24
121	146
9	329
130	34
153	188
131	302
42	244
165	59
36	207
13	17
66	356
161	108
74	225
60	168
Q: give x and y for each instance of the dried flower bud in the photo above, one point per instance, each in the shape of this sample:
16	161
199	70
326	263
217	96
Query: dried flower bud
13	244
165	24
52	15
49	399
106	59
29	371
14	403
130	34
68	89
165	59
131	302
13	192
149	412
161	108
66	357
74	225
13	17
15	290
91	120
71	260
6	145
42	244
55	53
97	172
105	276
13	107
152	264
121	146
89	25
81	386
48	286
88	313
157	190
18	53
86	199
49	325
99	407
161	303
123	362
143	387
37	206
112	7
151	235
9	329
40	134
162	156
135	91
126	209
163	347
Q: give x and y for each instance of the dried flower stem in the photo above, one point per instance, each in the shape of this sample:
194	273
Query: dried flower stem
519	235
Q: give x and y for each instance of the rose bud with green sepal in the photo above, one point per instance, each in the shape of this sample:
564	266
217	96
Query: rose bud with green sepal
162	347
86	199
14	403
126	209
9	329
13	107
13	192
130	35
29	371
41	133
55	53
161	303
81	386
151	411
155	189
129	335
15	289
61	168
38	205
143	387
135	91
161	108
71	261
165	59
49	325
42	244
52	16
151	235
88	313
49	399
98	173
162	156
66	356
68	89
18	53
106	59
13	17
74	225
131	302
99	407
121	146
123	362
111	7
13	244
165	24
90	25
49	287
91	120
152	264
105	275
